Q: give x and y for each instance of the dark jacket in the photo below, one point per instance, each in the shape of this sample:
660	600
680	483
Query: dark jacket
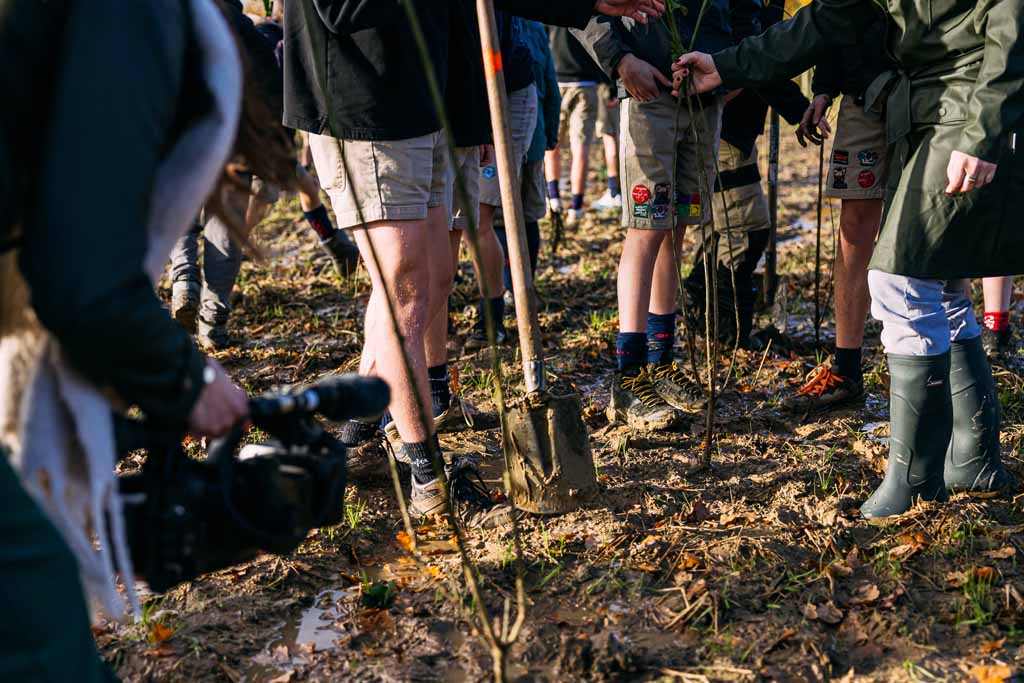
549	98
850	70
960	87
573	63
466	94
725	22
743	118
352	68
77	68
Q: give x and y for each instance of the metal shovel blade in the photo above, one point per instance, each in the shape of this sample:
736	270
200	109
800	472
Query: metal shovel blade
550	466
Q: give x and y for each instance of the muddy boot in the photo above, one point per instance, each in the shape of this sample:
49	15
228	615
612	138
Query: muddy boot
677	388
824	390
213	336
636	403
473	503
972	461
997	344
185	303
342	251
478	338
921	422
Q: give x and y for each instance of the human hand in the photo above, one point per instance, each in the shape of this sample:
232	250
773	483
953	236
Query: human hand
486	155
612	103
641	79
640	10
814	127
705	75
966	173
221	405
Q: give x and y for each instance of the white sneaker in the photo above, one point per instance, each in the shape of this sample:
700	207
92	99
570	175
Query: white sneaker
573	217
607	202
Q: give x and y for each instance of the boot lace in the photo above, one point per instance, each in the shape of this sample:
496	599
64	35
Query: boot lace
466	489
643	388
819	381
675	373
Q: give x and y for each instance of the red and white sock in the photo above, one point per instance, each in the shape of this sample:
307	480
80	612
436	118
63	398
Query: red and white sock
997	321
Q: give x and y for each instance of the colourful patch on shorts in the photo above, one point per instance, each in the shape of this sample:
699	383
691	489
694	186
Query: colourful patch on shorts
641	210
867	157
840	157
839	179
488	172
641	194
688	206
866	179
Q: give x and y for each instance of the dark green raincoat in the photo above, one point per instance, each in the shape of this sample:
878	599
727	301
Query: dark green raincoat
958	87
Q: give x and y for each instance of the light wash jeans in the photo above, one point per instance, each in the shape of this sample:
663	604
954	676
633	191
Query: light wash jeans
921	317
222	259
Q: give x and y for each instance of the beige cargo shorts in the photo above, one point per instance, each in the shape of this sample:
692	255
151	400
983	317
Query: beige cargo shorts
578	119
646	156
522	108
859	160
377	180
607	113
467	163
745	206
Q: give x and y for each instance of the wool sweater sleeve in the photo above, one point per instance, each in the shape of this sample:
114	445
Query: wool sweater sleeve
84	246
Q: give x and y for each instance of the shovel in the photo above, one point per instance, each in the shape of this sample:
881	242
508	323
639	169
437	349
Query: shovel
546	445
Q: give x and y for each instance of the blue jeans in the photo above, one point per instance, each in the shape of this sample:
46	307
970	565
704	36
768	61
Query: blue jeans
921	317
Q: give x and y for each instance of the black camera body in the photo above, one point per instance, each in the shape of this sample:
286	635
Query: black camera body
185	517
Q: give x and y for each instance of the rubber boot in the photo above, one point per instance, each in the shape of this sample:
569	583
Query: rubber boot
972	460
921	422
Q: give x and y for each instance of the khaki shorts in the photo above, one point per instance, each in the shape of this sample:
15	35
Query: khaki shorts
370	181
746	202
467	161
522	109
646	156
859	159
535	203
607	115
578	118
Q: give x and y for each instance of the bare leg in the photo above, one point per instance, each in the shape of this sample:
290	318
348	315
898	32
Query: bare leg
636	267
998	292
309	191
611	154
490	262
858	227
442	269
552	165
580	166
665	285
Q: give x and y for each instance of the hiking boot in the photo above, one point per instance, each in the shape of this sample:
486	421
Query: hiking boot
636	402
213	336
456	417
921	424
973	462
342	251
185	304
675	386
825	390
477	339
997	343
475	506
607	202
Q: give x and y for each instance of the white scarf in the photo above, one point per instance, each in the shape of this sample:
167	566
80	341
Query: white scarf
59	424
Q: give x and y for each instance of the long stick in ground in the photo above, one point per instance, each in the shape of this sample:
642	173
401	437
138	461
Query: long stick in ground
817	253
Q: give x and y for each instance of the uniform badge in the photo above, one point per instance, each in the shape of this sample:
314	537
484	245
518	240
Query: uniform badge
840	157
866	179
641	210
641	195
868	157
488	172
661	202
839	179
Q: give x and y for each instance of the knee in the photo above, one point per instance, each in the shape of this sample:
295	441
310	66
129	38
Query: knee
860	221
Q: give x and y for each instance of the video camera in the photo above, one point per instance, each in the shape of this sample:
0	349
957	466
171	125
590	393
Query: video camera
185	517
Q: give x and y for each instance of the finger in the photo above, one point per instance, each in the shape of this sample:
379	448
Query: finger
826	127
661	77
955	173
800	137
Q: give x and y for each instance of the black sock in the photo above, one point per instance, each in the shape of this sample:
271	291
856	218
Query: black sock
847	364
553	192
661	337
421	456
631	352
497	306
577	202
614	189
440	394
355	433
533	244
320	222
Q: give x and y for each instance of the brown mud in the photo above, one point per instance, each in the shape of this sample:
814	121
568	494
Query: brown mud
755	568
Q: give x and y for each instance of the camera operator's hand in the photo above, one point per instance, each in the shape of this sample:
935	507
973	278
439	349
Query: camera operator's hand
221	405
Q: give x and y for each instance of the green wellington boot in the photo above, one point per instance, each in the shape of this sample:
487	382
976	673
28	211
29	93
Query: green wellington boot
972	461
921	421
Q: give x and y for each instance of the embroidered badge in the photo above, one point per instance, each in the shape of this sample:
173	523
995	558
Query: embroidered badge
641	210
488	172
839	179
840	157
641	195
866	179
868	157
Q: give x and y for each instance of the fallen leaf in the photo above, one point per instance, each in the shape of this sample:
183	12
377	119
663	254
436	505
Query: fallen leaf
646	567
737	519
158	633
991	673
160	652
688	561
1001	554
866	594
985	574
698	512
404	541
992	646
957	579
433	571
827	613
286	677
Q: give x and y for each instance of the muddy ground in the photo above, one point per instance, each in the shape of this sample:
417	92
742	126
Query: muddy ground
753	568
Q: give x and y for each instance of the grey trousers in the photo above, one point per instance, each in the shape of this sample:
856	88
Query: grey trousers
921	317
222	259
